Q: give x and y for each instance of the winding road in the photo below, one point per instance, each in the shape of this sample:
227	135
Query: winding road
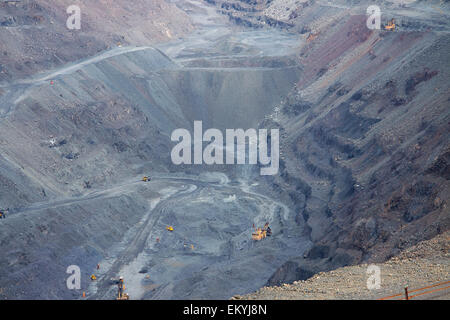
209	213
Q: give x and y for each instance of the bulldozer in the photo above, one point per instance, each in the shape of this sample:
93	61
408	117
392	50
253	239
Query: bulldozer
390	25
145	179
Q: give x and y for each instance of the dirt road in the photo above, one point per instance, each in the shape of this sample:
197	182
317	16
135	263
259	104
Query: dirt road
210	253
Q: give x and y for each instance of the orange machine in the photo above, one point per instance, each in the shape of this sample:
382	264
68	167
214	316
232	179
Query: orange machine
390	25
261	233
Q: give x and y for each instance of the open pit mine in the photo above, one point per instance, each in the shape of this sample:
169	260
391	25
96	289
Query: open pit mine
205	149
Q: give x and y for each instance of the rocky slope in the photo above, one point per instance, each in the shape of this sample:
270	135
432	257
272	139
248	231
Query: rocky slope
366	133
76	140
425	264
306	15
34	35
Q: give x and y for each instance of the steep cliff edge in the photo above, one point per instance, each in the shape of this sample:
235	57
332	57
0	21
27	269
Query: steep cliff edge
429	259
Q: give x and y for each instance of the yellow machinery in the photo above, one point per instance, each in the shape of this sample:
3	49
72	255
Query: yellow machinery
93	277
259	234
169	228
390	25
145	179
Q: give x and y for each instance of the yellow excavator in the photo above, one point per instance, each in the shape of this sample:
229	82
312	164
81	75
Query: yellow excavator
259	234
169	228
390	25
262	233
145	179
